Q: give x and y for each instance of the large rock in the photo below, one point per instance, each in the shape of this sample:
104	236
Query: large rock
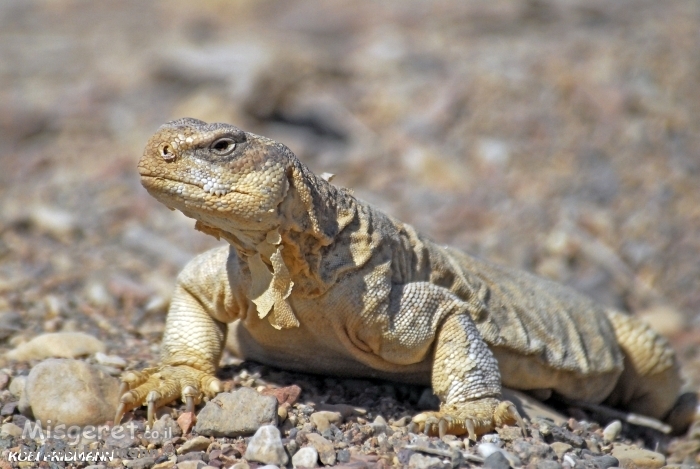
57	345
266	446
238	413
71	392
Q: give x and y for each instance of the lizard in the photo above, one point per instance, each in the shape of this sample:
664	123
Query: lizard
315	280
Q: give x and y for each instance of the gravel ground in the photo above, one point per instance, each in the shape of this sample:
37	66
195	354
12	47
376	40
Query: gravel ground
557	136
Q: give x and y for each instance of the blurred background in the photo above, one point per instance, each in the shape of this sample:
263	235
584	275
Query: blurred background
557	136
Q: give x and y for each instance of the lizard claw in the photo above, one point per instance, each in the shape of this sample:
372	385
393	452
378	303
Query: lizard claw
152	399
473	418
121	410
156	387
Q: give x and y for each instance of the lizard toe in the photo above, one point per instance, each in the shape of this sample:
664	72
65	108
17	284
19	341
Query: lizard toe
156	387
473	418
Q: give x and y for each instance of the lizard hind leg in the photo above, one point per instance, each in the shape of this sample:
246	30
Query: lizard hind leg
650	383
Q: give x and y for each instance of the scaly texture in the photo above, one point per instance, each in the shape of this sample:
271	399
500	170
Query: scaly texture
318	281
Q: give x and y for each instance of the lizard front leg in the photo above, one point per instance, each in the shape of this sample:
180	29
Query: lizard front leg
465	377
192	343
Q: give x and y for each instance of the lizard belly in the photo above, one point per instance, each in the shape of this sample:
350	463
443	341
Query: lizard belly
313	347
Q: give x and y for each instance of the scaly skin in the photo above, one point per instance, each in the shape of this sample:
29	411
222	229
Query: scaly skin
316	280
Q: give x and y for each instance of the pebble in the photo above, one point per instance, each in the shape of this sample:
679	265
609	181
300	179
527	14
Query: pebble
122	436
631	457
562	434
198	443
326	451
167	464
4	379
547	464
110	360
266	446
612	431
324	419
10	429
286	395
141	463
240	465
238	413
191	465
560	448
164	429
57	345
420	461
71	392
186	421
305	457
496	460
487	449
17	386
379	425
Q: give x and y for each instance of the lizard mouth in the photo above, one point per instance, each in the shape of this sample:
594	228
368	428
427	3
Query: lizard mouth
177	186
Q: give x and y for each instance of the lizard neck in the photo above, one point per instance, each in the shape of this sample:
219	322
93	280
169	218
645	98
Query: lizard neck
312	215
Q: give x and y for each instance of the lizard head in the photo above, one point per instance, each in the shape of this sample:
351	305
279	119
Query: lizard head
225	178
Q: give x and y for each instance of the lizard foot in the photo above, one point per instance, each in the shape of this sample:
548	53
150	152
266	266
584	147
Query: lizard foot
157	387
474	418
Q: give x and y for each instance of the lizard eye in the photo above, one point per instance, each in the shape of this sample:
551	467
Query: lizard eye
223	146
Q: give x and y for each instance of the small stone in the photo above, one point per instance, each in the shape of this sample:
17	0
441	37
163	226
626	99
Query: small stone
266	446
17	386
167	464
379	425
496	461
198	443
420	461
71	392
186	421
234	414
547	464
164	429
4	379
612	431
664	319
343	456
560	448
326	452
191	465
562	434
10	429
57	345
287	395
487	449
282	412
630	457
240	465
141	463
324	419
604	461
122	436
110	360
305	457
191	456
508	433
343	409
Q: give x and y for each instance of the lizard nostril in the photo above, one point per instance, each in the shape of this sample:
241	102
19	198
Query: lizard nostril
166	152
